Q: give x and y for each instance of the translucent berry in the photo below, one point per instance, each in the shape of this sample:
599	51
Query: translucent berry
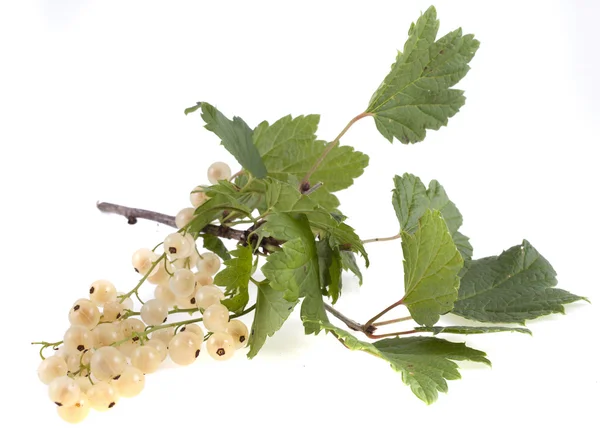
220	346
184	217
102	291
84	313
239	332
218	171
184	348
208	263
216	317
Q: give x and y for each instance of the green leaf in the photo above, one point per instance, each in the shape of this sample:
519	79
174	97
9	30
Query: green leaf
431	266
425	363
285	198
236	136
349	263
289	147
416	95
272	310
466	330
215	245
235	277
237	270
411	199
330	269
511	288
295	268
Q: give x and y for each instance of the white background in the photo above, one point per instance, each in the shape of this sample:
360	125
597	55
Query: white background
92	98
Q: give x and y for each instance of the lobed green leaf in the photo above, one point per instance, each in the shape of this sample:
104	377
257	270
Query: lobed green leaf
411	199
426	363
416	95
511	288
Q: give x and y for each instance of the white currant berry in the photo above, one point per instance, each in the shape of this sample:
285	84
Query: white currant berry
84	313
83	382
182	283
64	391
130	383
208	263
216	317
184	348
239	331
193	328
161	273
103	396
154	312
160	347
184	217
127	302
165	335
146	358
52	368
203	279
218	171
165	295
177	246
142	260
186	303
197	197
102	291
107	334
73	360
107	363
112	311
128	347
194	257
78	338
208	295
130	327
220	346
77	412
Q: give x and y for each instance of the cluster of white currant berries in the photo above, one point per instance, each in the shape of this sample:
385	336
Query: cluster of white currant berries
107	350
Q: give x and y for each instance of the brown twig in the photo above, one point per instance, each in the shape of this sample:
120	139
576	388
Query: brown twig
355	326
132	214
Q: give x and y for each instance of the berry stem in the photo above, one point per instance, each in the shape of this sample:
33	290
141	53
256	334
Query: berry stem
374	240
139	284
329	148
392	334
390	322
45	345
383	312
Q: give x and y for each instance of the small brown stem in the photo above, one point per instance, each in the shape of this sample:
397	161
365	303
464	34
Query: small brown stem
374	240
391	334
355	326
133	214
391	322
227	232
329	148
384	311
